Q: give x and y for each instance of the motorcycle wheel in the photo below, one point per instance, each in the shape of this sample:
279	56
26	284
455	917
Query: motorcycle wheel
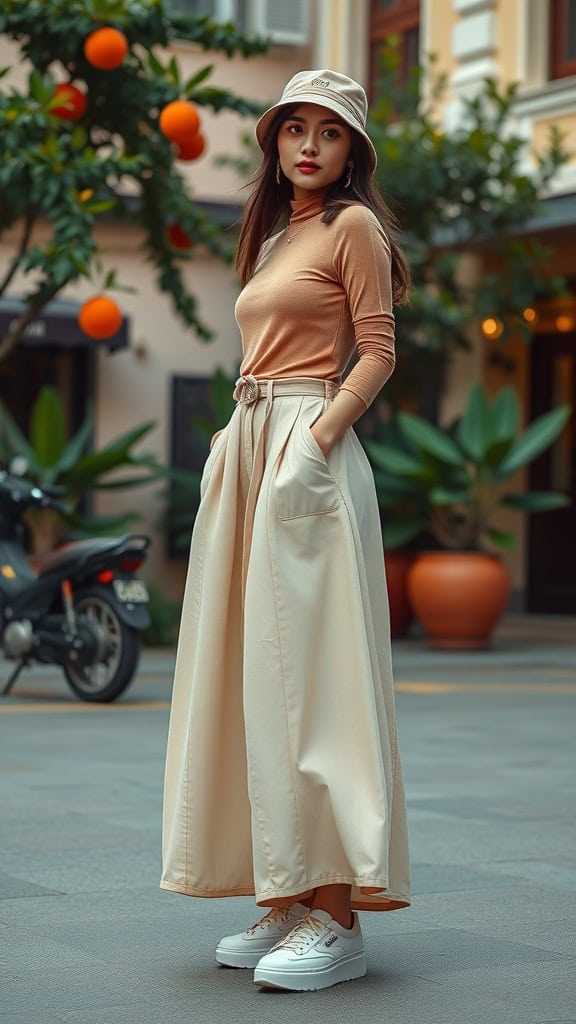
105	680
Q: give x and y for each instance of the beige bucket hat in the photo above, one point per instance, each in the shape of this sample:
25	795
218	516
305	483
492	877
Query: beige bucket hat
329	89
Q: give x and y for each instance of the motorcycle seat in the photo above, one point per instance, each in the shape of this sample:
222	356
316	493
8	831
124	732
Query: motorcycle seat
81	552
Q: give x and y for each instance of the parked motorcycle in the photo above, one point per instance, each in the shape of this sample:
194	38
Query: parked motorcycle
82	608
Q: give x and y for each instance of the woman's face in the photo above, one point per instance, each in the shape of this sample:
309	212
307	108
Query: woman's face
314	148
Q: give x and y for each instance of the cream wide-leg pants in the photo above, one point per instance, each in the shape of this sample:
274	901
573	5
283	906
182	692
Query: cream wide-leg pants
282	768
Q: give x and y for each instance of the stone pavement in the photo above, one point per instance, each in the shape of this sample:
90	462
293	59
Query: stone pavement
87	937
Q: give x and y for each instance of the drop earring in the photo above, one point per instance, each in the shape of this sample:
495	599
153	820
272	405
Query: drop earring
278	178
348	181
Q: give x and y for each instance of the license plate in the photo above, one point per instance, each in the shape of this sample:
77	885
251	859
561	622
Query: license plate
130	591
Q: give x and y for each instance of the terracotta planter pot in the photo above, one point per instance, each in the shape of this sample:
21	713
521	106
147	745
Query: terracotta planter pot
458	597
397	565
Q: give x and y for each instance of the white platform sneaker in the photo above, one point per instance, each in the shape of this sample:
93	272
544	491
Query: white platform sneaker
247	948
317	953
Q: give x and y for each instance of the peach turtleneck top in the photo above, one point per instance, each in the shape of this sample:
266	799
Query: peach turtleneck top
314	300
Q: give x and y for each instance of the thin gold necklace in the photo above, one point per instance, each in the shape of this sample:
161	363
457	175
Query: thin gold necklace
290	238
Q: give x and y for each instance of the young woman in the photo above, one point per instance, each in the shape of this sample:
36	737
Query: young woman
283	778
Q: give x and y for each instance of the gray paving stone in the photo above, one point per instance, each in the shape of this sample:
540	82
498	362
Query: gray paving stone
548	990
490	938
82	870
457	950
12	888
453	877
28	1018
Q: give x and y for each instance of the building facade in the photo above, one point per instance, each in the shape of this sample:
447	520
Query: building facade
529	41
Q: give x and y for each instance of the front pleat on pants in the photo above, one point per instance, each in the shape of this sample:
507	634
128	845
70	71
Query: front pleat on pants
282	771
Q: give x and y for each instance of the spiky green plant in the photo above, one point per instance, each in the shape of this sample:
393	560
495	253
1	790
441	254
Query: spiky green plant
51	458
447	485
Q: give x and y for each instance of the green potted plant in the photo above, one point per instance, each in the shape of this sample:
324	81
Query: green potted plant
399	504
449	484
53	459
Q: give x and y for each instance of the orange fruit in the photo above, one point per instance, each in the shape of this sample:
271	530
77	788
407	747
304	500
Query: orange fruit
178	238
179	120
191	149
73	105
105	48
100	317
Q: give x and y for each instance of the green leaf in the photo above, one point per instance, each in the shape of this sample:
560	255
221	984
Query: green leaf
126	482
14	443
130	438
444	496
198	78
78	137
100	206
74	449
174	71
52	146
40	89
537	501
392	489
505	415
475	430
155	66
47	428
393	460
541	433
397	534
496	454
86	473
502	538
428	438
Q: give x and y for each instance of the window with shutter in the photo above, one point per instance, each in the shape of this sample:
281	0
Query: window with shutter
284	22
562	38
196	7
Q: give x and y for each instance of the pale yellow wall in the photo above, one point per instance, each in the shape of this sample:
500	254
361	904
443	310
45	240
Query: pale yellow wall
440	19
508	40
259	78
566	123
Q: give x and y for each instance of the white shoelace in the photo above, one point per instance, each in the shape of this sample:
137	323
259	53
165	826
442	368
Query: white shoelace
278	915
303	934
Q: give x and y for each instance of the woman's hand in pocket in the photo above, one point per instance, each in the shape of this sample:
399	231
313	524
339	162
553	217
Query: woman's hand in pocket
322	441
336	419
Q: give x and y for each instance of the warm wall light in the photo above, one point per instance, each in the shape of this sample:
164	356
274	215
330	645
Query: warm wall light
564	323
529	314
492	327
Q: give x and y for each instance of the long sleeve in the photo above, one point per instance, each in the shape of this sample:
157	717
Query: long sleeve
362	262
321	293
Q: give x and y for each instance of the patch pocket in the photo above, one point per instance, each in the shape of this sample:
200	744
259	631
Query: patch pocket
304	485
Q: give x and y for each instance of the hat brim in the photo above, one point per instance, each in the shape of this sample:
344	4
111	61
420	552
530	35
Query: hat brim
265	123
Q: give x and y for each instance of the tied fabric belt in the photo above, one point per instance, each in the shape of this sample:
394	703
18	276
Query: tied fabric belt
249	390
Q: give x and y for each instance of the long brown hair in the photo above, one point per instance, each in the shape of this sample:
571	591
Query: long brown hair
269	206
